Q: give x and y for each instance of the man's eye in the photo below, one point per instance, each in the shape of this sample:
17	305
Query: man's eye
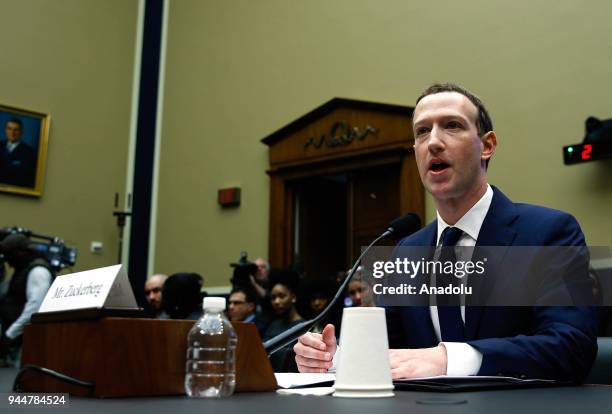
453	125
421	131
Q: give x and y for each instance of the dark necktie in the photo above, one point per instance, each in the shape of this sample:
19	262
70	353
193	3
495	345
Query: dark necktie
449	311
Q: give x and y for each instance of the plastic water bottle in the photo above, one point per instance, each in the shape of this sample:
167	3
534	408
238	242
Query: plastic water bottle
211	353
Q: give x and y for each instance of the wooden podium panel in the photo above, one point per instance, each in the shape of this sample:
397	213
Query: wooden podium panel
128	357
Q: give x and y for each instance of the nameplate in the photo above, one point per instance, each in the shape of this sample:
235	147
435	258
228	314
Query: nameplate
97	288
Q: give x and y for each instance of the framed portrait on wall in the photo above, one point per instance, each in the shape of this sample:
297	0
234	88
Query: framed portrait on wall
24	138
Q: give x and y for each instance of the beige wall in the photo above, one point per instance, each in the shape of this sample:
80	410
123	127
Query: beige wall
72	59
239	70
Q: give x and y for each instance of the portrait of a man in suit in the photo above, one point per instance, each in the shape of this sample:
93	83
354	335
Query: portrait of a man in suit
17	158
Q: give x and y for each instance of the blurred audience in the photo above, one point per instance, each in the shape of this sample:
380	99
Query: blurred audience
182	296
22	294
253	276
314	296
153	292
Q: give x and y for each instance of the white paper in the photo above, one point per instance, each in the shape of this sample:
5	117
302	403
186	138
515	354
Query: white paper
291	379
317	391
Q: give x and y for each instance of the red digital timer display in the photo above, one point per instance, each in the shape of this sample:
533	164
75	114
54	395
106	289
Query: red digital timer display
579	153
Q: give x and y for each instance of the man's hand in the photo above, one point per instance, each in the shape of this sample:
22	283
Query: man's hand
261	292
314	352
415	363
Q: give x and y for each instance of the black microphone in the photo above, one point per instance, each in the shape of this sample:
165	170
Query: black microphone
398	229
404	226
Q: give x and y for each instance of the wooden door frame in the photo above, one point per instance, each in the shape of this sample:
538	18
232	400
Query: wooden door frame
282	195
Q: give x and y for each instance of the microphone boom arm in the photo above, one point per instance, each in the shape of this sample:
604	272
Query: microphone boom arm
280	341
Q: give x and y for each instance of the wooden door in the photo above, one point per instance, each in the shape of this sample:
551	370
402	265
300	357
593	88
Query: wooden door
375	203
320	224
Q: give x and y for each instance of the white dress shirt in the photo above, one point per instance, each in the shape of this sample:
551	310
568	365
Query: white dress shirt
39	281
463	359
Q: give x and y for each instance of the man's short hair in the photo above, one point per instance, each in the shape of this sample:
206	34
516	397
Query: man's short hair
249	294
15	121
484	123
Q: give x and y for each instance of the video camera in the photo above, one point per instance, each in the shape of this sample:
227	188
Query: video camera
53	249
243	270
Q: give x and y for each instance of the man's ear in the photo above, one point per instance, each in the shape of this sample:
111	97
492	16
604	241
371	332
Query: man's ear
489	143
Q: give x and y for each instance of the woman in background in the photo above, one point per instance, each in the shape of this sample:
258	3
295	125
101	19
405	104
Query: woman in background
283	297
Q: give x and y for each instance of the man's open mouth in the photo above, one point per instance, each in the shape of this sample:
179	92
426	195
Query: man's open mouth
438	166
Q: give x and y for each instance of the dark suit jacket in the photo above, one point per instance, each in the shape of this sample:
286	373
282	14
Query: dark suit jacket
19	166
534	342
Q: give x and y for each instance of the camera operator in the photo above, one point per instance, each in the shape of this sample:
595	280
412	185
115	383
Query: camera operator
22	294
260	281
248	276
251	275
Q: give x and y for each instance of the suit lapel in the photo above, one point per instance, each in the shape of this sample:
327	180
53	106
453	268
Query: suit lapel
496	230
424	237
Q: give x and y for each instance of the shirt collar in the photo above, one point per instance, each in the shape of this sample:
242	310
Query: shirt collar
12	145
471	222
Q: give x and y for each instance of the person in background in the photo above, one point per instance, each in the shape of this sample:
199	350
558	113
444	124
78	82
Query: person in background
153	292
259	281
241	307
263	270
359	290
251	275
182	296
283	297
315	294
244	277
22	294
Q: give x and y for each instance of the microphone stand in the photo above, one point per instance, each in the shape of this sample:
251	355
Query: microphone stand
280	341
121	218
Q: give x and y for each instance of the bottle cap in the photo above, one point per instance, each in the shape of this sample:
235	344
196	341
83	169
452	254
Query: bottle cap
213	303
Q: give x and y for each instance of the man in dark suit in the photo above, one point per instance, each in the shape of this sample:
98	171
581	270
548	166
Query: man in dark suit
454	141
17	159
